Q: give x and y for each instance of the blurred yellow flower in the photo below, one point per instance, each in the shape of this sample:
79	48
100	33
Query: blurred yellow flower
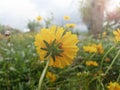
104	34
100	49
116	32
117	38
64	48
91	63
66	18
70	25
117	35
51	76
94	48
113	86
90	49
39	18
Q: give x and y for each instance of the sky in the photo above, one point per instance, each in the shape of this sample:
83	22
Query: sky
17	13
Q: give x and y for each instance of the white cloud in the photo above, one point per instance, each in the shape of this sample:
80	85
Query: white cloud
16	13
18	7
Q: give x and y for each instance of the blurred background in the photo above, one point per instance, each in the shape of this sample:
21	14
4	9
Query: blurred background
17	14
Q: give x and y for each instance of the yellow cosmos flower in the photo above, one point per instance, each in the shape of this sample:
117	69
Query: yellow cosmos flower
117	38
51	76
90	49
117	35
113	86
91	63
66	18
70	25
116	32
64	47
100	49
94	48
39	18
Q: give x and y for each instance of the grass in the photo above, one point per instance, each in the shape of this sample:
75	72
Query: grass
20	67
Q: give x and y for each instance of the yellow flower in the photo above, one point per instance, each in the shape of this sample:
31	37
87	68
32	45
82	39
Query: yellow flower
116	32
70	25
65	47
114	86
94	48
91	63
117	35
117	38
52	77
66	18
100	49
90	49
39	18
104	34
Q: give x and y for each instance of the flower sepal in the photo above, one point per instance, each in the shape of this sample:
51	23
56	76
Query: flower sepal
54	48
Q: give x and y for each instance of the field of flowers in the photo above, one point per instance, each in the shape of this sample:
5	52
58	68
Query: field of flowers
58	59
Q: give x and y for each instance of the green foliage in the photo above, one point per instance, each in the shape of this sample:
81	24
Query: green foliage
20	68
33	25
48	21
4	28
1	29
18	63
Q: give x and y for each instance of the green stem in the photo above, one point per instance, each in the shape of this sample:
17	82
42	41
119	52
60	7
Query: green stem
100	81
88	83
118	78
112	62
91	56
43	73
105	56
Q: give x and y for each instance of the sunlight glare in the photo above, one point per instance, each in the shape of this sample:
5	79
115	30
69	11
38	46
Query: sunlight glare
112	5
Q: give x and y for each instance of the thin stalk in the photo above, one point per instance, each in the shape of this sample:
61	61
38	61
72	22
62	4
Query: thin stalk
91	56
100	81
118	78
43	73
105	56
112	62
